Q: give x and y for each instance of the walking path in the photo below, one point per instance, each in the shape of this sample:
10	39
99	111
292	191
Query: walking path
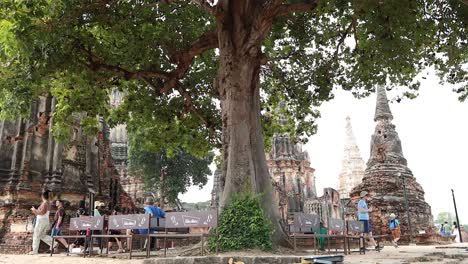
453	254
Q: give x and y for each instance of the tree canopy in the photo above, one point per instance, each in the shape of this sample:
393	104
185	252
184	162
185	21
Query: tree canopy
163	54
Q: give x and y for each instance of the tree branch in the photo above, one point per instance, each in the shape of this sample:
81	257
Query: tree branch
207	41
183	60
205	4
190	107
342	39
94	62
305	6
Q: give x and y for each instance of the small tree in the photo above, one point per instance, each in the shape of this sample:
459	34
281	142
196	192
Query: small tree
242	224
167	175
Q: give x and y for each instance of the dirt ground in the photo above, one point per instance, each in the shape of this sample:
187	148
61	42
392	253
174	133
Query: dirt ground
453	254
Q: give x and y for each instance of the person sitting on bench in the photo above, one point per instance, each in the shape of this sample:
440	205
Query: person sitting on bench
153	211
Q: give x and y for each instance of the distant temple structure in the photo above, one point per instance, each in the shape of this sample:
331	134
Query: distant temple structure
133	186
353	166
31	161
386	177
293	177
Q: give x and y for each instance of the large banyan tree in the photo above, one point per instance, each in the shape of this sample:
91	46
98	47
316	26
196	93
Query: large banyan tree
201	74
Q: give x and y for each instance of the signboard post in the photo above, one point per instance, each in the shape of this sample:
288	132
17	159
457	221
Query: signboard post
356	226
306	222
135	221
336	224
191	219
83	223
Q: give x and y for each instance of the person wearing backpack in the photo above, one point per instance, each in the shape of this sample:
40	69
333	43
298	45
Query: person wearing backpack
394	226
153	211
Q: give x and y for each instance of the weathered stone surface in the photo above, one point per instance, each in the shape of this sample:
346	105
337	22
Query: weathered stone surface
293	177
385	175
133	187
216	192
31	161
225	259
326	206
353	166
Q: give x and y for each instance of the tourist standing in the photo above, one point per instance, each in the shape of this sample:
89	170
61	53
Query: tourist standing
321	232
455	232
98	211
363	215
42	222
395	228
98	208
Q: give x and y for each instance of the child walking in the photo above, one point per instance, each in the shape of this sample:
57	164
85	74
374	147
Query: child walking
395	228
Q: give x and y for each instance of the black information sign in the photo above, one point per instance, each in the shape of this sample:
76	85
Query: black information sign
191	219
336	224
306	222
83	223
356	226
134	221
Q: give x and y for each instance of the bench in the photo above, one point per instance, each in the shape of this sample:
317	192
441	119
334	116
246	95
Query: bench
339	226
304	224
302	227
124	222
174	221
79	224
354	227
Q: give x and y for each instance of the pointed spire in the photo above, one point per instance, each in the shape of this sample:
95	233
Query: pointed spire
350	139
382	109
353	165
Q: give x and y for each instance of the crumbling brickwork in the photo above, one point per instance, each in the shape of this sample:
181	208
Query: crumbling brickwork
31	161
385	178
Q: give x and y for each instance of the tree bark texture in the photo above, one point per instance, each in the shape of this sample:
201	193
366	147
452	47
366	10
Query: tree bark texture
244	163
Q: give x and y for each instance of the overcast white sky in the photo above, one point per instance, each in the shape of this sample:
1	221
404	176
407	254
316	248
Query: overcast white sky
433	129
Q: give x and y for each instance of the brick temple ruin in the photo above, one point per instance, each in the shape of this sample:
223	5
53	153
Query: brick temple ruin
31	161
385	175
293	177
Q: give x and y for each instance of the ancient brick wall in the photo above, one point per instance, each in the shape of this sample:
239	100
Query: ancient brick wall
32	161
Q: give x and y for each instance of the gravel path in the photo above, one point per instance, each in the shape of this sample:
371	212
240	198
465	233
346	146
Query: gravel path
452	254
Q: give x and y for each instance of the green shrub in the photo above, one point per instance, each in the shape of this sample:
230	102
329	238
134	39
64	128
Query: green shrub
242	225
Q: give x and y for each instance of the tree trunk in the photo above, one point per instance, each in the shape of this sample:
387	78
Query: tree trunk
244	162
